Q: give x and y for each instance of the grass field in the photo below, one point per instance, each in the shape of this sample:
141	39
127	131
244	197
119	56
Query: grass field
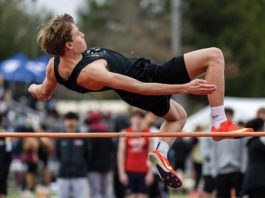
15	193
171	196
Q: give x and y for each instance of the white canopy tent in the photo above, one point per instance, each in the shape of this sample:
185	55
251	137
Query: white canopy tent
244	110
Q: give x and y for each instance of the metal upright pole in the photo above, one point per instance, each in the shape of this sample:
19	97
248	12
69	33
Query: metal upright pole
176	40
176	26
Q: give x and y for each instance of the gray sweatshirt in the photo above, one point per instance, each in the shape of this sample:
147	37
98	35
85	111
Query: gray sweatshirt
229	156
206	152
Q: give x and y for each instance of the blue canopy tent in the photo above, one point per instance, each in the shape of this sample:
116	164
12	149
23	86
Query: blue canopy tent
13	69
38	68
19	69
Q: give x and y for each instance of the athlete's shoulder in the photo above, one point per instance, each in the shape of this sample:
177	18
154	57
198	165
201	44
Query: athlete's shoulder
50	68
50	64
51	61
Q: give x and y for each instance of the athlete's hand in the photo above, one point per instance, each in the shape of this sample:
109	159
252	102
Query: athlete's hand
37	93
200	87
124	179
149	179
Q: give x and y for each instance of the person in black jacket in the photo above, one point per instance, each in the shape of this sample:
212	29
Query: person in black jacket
101	154
254	182
5	160
72	154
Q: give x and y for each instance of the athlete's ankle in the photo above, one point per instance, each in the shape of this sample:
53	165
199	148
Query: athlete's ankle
162	147
218	116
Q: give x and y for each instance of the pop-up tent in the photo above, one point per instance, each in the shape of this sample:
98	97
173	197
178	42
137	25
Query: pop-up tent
19	69
38	68
13	69
244	110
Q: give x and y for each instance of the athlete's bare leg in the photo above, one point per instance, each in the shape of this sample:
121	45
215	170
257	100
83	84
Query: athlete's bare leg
174	121
211	61
208	60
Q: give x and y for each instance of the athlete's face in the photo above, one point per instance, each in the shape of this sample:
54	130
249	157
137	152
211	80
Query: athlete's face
78	45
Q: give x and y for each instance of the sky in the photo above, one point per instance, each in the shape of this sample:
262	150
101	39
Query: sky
57	6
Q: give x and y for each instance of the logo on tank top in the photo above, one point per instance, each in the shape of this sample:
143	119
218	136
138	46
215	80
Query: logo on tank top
95	52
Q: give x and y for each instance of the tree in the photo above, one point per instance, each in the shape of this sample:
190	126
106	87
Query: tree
18	29
237	27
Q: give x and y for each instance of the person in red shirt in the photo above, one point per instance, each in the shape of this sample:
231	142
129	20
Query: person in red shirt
135	174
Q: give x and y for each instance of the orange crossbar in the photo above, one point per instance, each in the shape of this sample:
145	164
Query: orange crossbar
138	134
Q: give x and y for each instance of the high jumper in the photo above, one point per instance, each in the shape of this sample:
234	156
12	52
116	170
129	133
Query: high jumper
138	81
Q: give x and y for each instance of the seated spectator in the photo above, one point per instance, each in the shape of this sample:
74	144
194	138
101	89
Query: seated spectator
254	182
72	154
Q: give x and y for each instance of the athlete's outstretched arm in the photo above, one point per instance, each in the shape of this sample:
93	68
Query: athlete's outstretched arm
96	75
43	91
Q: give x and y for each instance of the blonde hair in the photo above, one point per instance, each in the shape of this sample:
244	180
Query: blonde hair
55	33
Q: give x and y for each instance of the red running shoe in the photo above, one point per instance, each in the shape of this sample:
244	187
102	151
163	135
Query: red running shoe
165	171
229	126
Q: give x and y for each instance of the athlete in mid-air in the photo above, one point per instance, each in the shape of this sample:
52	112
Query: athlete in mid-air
138	81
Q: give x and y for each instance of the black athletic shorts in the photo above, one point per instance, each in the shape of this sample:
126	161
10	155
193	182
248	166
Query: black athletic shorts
209	184
172	72
136	184
226	182
32	167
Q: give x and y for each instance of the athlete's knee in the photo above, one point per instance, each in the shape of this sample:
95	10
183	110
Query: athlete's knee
216	56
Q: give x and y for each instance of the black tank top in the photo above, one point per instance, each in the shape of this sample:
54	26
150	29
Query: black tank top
117	63
138	68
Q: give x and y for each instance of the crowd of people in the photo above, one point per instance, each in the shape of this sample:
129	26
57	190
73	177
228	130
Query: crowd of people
106	168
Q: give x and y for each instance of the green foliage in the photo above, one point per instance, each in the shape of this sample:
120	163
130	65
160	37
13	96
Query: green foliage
132	28
129	26
18	30
237	27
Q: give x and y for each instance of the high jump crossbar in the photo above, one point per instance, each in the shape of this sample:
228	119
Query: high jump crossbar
134	134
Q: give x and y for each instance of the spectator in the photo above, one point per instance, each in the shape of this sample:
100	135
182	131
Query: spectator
178	155
17	159
72	154
261	113
5	161
158	188
30	150
229	163
120	122
100	166
229	113
196	158
254	182
134	172
209	184
46	148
